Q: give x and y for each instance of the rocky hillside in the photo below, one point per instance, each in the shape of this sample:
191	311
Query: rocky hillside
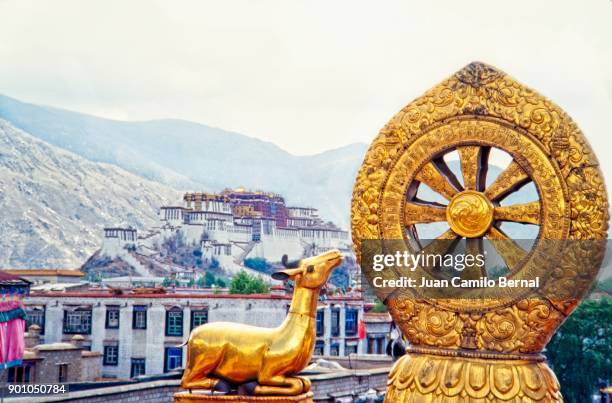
54	203
193	156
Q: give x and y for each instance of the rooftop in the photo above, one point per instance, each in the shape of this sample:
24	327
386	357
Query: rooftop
57	286
93	293
56	347
45	272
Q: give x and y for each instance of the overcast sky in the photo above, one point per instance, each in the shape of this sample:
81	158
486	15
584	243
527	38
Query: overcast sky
306	75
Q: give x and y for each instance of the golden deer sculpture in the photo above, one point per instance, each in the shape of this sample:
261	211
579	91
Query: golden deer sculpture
264	361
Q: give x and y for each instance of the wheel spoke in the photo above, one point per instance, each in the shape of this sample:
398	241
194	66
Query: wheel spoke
509	250
510	180
474	247
474	164
432	177
442	244
528	213
420	213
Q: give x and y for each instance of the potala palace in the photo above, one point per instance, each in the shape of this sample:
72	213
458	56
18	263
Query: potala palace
228	227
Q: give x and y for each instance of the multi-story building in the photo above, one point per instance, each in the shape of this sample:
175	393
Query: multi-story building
64	362
263	204
229	227
143	333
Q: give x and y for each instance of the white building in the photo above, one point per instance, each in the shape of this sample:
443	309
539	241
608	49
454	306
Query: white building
231	230
143	333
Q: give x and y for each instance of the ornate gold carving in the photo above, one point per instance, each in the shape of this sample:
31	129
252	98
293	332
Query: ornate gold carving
511	178
509	250
432	378
470	214
528	213
186	397
415	213
475	110
430	175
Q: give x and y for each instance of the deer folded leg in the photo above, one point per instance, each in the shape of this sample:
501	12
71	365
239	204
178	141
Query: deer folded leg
204	383
200	363
306	383
280	385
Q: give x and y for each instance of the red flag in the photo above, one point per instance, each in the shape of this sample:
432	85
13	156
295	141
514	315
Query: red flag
362	330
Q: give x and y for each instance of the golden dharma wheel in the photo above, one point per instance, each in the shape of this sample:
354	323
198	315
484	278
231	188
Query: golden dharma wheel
483	346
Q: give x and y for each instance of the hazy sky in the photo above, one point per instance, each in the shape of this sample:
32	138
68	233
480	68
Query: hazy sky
306	75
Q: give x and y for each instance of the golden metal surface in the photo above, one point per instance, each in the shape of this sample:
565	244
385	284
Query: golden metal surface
469	213
271	357
433	378
474	111
186	397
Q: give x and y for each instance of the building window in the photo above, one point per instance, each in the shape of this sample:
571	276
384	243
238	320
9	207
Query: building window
334	349
20	374
350	349
335	322
139	317
320	322
198	318
319	348
112	317
174	322
376	344
77	321
36	316
350	328
62	373
111	355
138	367
173	358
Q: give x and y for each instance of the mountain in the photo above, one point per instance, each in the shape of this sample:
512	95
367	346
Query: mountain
54	203
192	156
71	174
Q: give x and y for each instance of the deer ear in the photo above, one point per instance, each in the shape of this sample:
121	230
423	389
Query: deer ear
286	274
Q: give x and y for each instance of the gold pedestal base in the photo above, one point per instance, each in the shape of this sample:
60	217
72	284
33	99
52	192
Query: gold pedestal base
434	378
206	396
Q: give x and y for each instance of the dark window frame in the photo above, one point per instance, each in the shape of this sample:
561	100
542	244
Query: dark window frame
193	314
335	322
62	373
174	329
138	311
334	349
320	321
105	360
319	348
84	327
20	374
112	309
43	314
167	361
138	362
351	322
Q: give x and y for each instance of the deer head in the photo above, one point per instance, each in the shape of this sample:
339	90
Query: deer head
311	272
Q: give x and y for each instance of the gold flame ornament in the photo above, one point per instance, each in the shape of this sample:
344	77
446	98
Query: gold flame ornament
486	348
261	361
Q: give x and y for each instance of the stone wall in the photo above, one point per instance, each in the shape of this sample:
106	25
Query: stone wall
326	388
47	369
360	361
329	387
